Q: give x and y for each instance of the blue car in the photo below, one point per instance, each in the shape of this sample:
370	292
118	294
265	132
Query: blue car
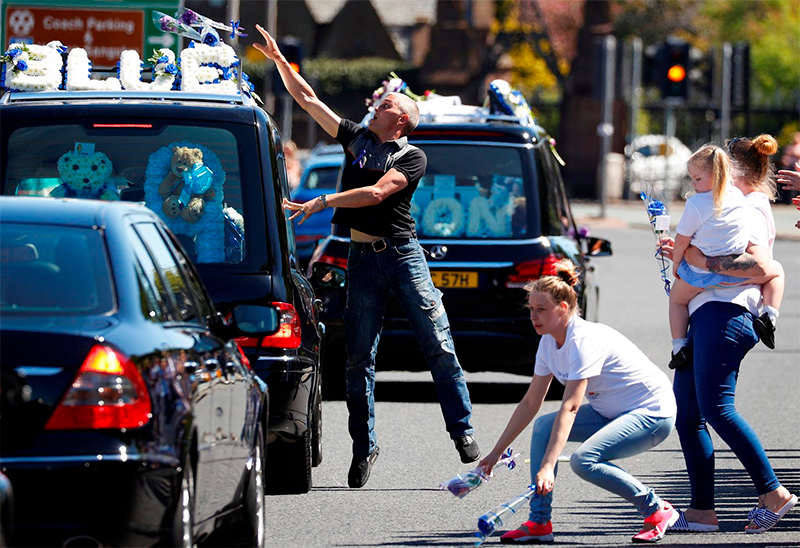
320	176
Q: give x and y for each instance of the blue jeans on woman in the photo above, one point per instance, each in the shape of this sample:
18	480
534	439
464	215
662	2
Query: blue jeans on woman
720	334
400	268
603	440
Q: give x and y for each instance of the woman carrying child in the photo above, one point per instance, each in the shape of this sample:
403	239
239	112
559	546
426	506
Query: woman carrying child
630	409
716	221
722	332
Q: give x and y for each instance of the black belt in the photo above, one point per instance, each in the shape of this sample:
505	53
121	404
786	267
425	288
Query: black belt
379	245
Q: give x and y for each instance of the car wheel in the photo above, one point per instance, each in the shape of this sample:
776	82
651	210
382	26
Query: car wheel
254	512
293	460
316	428
182	533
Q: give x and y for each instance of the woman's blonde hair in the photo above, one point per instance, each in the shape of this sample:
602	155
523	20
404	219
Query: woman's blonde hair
560	287
751	165
713	159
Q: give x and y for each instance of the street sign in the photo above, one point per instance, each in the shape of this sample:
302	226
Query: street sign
104	28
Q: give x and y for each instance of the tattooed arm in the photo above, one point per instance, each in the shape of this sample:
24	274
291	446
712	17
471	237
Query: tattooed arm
751	264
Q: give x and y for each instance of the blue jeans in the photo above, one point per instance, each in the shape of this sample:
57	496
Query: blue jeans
603	440
401	269
720	334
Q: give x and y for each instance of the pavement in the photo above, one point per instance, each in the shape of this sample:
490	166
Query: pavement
632	213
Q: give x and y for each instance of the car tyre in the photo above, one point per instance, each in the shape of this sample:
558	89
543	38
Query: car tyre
182	533
316	427
293	459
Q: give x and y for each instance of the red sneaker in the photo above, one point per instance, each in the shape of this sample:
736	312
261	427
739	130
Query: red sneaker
660	521
529	533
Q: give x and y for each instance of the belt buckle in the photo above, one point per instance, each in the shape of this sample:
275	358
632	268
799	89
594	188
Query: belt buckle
379	245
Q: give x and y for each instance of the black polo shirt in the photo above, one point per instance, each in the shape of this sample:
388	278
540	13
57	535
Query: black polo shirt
366	160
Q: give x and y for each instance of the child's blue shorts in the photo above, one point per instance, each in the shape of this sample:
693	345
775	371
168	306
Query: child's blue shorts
707	280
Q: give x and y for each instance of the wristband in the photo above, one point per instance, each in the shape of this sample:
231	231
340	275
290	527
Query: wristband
324	199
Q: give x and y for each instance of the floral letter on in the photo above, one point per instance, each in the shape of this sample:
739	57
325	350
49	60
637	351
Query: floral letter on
209	69
79	71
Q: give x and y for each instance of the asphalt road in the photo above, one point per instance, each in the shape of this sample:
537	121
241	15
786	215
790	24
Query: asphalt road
403	506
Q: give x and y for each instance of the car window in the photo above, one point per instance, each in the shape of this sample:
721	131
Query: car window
203	305
189	174
472	191
54	270
152	283
175	282
322	177
556	215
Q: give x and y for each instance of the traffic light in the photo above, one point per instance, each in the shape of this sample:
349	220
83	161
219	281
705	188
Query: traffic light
292	49
674	69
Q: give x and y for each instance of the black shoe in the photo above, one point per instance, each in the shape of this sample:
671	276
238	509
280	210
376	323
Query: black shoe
360	467
467	448
681	359
765	329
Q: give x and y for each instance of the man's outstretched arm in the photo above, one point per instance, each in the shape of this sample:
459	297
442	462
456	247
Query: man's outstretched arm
297	87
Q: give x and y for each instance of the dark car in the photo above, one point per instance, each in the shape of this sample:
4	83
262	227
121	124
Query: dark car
320	176
152	146
492	213
129	415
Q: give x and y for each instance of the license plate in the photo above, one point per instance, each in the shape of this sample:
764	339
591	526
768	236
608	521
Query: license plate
454	279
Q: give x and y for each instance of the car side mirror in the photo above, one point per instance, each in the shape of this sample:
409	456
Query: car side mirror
255	320
598	247
328	276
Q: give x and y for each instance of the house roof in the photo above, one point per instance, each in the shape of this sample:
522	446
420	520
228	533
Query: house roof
393	13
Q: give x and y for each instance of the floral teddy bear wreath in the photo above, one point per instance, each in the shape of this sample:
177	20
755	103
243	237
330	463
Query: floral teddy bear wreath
208	232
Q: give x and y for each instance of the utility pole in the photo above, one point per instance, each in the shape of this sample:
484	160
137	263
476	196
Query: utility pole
725	103
605	129
272	29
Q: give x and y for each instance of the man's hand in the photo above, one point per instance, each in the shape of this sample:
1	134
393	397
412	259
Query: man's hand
270	48
789	179
307	209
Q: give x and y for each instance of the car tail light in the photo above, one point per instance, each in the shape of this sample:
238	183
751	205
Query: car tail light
330	259
532	270
303	238
108	392
289	334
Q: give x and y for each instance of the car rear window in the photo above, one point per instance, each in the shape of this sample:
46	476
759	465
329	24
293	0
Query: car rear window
472	191
48	270
203	204
322	177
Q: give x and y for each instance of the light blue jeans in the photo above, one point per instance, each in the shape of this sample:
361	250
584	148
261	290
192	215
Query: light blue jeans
603	440
400	268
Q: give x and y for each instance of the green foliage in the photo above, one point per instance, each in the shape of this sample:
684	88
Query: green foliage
337	76
772	27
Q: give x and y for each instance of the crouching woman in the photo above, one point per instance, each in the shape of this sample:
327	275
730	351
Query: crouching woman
630	409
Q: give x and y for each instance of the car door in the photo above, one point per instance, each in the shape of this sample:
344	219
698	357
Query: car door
213	429
235	377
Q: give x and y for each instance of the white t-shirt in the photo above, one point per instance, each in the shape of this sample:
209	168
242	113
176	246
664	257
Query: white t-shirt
716	235
762	232
621	377
762	215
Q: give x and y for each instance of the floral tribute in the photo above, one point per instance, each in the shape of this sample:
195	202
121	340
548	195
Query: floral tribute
207	231
206	66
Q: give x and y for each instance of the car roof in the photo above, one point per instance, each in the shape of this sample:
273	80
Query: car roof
325	160
66	211
476	131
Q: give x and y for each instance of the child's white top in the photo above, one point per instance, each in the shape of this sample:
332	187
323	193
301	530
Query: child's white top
621	377
716	235
762	211
761	232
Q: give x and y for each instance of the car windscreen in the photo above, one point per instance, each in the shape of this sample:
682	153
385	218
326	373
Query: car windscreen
53	270
473	190
189	174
